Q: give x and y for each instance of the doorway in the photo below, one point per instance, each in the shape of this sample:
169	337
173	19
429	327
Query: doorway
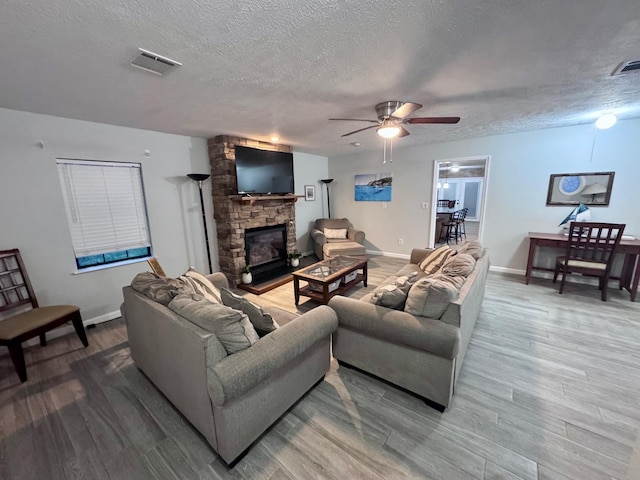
458	183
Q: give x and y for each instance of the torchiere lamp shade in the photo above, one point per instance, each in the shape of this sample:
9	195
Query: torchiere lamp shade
327	181
200	177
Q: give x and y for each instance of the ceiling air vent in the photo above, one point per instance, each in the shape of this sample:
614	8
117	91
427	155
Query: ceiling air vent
627	67
154	63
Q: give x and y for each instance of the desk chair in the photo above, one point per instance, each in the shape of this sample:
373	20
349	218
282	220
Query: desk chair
590	251
16	294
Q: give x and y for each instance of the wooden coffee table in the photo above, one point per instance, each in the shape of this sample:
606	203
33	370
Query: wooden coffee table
326	279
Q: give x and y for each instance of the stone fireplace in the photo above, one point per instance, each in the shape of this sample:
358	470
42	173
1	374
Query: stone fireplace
235	214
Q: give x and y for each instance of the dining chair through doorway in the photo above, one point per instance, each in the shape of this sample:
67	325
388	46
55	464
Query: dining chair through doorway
450	229
590	251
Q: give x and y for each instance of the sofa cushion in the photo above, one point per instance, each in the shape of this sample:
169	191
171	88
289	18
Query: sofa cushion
159	289
232	327
343	247
461	264
202	285
471	247
430	297
393	295
397	327
335	233
456	280
263	322
434	261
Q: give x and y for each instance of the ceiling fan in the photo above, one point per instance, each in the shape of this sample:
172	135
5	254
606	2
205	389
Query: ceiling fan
392	116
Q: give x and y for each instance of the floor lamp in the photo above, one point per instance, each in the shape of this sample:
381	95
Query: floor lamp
201	177
327	181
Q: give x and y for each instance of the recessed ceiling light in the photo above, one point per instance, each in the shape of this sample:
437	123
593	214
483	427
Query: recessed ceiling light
605	121
355	144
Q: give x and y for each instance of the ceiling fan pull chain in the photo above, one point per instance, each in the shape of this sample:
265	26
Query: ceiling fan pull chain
391	150
384	151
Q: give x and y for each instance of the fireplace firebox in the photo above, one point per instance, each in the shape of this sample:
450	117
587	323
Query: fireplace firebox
266	250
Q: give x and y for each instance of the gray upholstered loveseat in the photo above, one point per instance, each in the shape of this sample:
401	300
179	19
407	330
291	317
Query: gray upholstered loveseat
423	355
230	399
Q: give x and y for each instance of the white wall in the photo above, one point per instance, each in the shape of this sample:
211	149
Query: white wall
308	170
519	172
33	219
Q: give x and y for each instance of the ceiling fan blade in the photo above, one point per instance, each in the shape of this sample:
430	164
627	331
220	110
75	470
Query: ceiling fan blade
356	131
432	120
355	120
403	132
406	109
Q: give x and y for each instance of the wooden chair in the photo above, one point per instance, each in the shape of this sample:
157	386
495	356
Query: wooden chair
16	294
590	251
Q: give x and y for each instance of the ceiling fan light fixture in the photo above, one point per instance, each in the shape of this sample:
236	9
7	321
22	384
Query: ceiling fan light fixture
605	121
388	131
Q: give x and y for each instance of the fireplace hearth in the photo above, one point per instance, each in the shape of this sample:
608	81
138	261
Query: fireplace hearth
266	251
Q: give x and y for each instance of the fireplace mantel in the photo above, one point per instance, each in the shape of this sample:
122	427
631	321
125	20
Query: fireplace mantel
262	198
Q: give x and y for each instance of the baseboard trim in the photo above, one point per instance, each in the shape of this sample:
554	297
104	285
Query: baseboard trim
513	271
380	253
67	329
579	279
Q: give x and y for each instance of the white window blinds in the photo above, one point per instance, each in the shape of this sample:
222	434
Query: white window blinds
105	206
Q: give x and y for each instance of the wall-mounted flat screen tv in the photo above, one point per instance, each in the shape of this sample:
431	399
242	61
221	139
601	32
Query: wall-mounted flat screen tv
263	172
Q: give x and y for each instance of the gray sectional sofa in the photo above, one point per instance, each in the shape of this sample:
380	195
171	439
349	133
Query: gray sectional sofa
230	398
423	355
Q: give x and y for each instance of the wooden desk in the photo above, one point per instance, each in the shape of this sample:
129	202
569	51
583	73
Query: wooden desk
629	278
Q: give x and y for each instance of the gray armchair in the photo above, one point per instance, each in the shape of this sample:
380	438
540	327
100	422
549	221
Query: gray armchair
351	245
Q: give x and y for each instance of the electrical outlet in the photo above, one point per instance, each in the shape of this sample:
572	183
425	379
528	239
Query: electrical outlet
401	241
425	204
384	204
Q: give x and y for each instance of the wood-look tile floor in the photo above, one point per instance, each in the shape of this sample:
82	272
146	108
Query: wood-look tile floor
550	389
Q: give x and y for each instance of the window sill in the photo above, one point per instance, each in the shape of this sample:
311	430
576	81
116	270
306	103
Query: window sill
110	265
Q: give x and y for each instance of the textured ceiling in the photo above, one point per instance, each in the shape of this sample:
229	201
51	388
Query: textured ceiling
256	68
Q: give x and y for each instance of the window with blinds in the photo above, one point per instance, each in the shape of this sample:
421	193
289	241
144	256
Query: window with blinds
106	211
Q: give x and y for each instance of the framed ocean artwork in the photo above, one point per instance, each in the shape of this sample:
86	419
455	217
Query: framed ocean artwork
373	187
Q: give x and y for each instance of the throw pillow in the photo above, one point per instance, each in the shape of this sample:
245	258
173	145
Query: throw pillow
461	264
471	247
430	297
159	289
263	322
395	294
390	296
202	285
231	327
434	261
335	233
